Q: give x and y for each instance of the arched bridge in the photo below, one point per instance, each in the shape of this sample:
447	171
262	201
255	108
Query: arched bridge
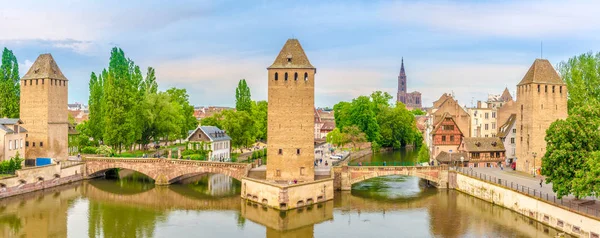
349	175
165	171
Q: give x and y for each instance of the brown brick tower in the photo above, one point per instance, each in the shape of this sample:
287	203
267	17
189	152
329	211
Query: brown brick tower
44	110
290	135
541	100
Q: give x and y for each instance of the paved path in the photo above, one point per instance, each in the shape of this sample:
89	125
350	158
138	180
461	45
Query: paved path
524	179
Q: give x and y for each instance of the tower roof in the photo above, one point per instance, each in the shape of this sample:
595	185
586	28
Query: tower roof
44	67
402	73
291	56
541	71
506	95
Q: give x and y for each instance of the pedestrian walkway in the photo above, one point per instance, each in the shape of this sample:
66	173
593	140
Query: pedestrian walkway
526	183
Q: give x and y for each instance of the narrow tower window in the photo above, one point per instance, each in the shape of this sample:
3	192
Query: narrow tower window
305	76
295	76
286	76
546	88
552	89
297	151
276	76
280	151
538	88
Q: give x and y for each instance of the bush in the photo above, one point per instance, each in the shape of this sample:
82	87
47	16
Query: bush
89	150
9	166
195	157
105	150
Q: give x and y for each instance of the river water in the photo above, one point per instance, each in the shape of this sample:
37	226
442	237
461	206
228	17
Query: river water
209	206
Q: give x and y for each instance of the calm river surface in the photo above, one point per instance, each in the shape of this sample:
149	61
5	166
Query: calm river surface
209	206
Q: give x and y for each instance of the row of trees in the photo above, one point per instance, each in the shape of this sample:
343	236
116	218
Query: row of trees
383	124
10	89
572	159
246	124
126	108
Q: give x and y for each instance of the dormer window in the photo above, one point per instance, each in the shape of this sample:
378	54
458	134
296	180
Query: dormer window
289	58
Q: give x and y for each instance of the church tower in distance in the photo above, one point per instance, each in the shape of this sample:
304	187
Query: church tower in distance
44	95
410	100
290	136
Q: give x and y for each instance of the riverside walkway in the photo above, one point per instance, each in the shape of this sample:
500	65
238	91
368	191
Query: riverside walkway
528	184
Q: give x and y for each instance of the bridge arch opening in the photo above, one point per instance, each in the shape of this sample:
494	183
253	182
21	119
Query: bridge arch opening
390	187
210	186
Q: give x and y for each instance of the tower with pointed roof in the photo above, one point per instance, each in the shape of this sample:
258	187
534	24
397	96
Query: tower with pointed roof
402	79
541	100
411	100
44	95
290	129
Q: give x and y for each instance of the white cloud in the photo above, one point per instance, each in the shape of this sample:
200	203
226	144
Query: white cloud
513	19
468	81
215	77
25	65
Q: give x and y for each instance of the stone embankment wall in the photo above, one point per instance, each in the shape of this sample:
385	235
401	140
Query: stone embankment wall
559	218
39	178
284	196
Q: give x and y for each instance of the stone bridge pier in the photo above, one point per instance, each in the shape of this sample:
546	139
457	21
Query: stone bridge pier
165	171
345	176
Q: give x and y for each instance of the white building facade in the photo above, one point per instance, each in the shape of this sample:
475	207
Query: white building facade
213	139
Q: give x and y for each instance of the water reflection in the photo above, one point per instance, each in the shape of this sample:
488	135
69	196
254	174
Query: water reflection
393	206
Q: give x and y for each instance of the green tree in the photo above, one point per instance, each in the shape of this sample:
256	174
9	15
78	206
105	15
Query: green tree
341	115
572	153
187	121
214	120
10	89
362	114
150	86
423	154
243	100
162	116
582	75
354	135
380	100
418	112
122	110
96	106
236	123
259	113
337	138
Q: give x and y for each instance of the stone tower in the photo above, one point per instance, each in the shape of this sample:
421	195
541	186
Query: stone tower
44	110
290	135
541	100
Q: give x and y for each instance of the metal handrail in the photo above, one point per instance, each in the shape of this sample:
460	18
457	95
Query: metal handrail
550	198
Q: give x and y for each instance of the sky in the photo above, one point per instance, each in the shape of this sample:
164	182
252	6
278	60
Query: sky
469	48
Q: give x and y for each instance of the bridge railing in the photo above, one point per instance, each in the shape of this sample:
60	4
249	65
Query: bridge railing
550	198
392	163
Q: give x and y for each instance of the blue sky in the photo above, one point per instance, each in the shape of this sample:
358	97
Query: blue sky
471	48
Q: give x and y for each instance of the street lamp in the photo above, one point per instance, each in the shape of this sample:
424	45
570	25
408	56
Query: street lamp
534	155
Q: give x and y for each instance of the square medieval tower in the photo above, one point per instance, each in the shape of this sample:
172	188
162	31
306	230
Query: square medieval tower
44	110
290	139
541	100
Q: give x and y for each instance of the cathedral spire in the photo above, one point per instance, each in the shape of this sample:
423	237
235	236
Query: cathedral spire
402	67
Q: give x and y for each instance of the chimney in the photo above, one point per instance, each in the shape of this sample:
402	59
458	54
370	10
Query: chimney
479	104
